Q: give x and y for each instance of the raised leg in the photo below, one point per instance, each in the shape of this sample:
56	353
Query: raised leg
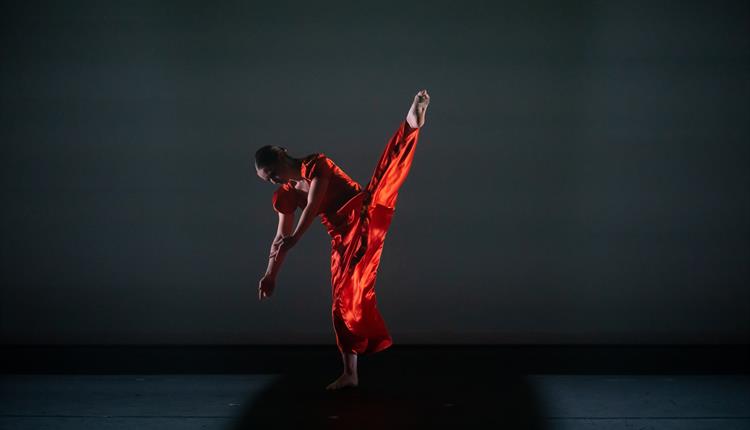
393	167
382	190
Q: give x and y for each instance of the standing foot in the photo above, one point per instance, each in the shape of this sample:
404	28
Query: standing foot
345	380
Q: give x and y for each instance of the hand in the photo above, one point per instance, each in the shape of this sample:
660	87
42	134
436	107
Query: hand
266	286
284	244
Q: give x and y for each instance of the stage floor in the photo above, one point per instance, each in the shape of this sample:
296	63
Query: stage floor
450	387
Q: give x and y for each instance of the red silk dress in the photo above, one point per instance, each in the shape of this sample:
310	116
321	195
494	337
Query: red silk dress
357	221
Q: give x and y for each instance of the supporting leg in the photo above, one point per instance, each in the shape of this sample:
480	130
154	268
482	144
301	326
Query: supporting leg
350	363
349	377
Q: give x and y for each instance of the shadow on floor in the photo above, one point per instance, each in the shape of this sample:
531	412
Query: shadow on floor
395	394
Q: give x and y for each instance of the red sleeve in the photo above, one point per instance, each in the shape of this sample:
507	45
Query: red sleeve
322	165
284	200
408	130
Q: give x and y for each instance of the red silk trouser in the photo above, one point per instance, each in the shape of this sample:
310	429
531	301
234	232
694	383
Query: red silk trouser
357	246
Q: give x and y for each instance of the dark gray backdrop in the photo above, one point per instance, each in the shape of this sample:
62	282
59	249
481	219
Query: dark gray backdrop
582	176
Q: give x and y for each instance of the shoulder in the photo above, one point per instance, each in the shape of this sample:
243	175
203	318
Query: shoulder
318	164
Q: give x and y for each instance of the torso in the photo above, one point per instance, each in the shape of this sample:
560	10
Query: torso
302	184
340	189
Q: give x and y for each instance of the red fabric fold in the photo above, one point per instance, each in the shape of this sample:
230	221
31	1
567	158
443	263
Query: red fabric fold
357	219
358	235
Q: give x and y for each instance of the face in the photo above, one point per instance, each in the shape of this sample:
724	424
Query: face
274	175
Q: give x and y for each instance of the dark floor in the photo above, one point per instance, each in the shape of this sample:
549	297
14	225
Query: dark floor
515	387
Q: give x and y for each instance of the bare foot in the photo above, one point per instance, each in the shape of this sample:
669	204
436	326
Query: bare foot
345	380
418	109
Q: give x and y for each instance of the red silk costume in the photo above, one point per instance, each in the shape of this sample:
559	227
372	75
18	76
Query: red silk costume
357	220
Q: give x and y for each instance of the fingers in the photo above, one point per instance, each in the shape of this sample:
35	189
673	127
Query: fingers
280	242
281	239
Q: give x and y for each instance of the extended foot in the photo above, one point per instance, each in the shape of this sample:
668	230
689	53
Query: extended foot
345	380
418	109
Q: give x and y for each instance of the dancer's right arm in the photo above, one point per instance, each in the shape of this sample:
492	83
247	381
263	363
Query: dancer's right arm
285	227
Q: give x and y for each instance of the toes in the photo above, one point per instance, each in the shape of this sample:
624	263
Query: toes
340	383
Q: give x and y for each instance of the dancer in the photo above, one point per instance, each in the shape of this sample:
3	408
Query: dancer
357	220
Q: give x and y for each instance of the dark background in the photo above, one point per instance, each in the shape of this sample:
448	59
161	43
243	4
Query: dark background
581	178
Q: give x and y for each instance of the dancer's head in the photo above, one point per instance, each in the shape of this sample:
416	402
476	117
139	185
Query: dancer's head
274	164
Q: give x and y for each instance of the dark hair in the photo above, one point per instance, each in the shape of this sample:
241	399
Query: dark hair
268	156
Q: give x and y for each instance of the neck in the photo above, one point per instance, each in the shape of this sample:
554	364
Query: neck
296	165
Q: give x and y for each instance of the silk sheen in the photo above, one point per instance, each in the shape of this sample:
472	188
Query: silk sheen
357	220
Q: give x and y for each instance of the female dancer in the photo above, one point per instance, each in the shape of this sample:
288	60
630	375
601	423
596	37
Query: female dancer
357	220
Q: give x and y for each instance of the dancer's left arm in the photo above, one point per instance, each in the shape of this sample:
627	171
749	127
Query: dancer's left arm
318	187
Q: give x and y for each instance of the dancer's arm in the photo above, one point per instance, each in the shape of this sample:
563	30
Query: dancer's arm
318	187
275	258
